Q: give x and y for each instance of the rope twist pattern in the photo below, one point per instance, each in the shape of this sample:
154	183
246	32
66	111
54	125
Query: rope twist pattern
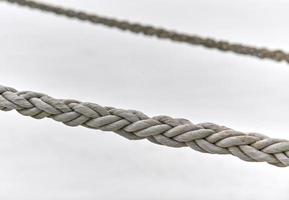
134	125
276	55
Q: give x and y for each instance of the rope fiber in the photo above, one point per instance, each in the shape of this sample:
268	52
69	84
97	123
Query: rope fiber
134	125
163	130
276	55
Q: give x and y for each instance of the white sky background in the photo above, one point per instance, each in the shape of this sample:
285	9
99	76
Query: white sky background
44	160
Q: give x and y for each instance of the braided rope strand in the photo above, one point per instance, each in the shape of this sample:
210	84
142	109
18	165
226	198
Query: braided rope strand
134	125
276	55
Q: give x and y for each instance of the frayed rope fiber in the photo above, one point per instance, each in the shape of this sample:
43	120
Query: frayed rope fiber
134	125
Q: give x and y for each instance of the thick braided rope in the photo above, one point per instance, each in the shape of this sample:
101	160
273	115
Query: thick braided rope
277	55
134	125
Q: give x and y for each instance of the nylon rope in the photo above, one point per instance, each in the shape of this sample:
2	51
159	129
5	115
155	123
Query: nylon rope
163	130
134	125
148	30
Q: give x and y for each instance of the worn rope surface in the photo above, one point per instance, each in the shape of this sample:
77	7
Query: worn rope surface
134	125
277	55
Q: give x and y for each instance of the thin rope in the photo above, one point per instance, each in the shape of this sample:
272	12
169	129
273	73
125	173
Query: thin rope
163	130
148	30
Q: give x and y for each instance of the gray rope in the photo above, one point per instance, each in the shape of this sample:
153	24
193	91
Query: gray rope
277	55
134	125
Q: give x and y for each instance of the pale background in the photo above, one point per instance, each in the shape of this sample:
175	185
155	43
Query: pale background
45	160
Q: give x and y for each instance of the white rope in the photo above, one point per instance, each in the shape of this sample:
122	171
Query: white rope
134	125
